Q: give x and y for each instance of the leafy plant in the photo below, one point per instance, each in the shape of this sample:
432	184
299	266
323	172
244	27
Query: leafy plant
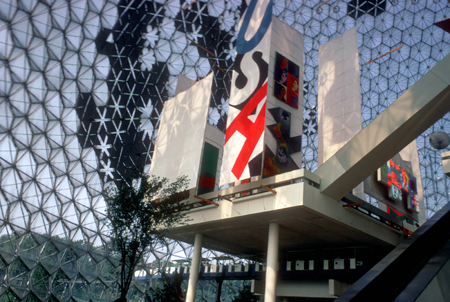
140	210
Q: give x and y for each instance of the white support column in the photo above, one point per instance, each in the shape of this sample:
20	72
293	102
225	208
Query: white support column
272	261
195	265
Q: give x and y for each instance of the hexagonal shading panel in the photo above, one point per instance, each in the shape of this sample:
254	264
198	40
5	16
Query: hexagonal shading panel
100	292
40	281
32	298
60	286
208	290
106	272
357	8
10	296
88	267
69	262
49	257
8	240
136	292
29	250
80	289
3	276
18	277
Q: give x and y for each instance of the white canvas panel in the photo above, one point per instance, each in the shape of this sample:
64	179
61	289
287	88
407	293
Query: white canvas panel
181	133
339	99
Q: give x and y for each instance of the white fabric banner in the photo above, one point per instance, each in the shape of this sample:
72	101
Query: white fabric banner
181	133
244	140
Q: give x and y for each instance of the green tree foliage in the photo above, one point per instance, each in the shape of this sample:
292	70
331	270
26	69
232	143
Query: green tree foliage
140	210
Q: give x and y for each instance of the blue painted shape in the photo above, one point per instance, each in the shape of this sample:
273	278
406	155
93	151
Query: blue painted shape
244	46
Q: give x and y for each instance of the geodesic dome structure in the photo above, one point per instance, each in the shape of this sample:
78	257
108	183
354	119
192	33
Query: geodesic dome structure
82	86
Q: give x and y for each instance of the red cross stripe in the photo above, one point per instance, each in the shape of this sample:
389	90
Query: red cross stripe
252	131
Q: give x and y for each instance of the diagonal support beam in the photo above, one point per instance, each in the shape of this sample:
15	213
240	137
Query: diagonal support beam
411	114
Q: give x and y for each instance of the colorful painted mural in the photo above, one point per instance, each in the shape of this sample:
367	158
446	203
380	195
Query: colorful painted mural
395	187
401	185
286	80
281	162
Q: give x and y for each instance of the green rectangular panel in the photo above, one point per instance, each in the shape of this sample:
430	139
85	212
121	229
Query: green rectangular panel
208	169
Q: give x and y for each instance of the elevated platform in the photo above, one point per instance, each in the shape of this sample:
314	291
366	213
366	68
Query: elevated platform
308	220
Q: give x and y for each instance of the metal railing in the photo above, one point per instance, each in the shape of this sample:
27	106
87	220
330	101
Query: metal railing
252	188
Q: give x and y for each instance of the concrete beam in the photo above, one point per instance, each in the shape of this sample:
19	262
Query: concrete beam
411	114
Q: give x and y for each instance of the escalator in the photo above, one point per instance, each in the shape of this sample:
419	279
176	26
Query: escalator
418	269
